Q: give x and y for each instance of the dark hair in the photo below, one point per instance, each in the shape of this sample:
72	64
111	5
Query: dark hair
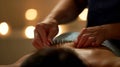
52	56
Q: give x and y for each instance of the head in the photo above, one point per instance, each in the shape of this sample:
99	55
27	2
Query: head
53	56
57	55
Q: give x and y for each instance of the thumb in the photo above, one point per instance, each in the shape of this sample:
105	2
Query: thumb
53	32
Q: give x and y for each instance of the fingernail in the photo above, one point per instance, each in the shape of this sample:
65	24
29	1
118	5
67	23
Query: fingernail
48	43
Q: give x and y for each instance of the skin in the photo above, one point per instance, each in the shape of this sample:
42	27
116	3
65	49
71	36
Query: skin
93	57
94	36
91	35
66	11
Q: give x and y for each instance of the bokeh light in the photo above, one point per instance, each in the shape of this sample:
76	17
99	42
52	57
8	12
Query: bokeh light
29	32
60	30
4	28
83	15
31	14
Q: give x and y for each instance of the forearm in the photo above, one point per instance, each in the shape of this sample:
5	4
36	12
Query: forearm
66	10
112	31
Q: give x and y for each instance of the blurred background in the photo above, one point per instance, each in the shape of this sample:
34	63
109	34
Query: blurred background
17	22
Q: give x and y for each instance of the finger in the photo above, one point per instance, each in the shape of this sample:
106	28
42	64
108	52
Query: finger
53	32
75	43
36	45
37	38
98	42
79	37
82	32
89	42
82	41
95	45
42	34
37	42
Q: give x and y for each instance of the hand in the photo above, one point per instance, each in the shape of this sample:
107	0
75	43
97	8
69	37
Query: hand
44	33
91	36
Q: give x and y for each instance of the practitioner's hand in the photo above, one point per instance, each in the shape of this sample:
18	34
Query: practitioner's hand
44	33
91	36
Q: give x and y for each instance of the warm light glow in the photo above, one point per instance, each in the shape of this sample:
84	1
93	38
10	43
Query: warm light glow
29	32
60	30
4	28
83	15
31	14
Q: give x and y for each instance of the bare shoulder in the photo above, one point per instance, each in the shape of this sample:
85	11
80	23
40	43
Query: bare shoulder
100	56
95	51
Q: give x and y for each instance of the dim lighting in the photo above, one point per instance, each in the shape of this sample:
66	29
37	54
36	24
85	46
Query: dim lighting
4	28
83	15
29	32
31	14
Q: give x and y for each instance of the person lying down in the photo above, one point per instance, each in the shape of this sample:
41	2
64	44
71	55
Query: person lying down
63	53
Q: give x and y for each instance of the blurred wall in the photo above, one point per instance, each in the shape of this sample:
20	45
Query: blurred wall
15	45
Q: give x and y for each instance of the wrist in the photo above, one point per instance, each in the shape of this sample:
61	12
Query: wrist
112	31
106	31
50	21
